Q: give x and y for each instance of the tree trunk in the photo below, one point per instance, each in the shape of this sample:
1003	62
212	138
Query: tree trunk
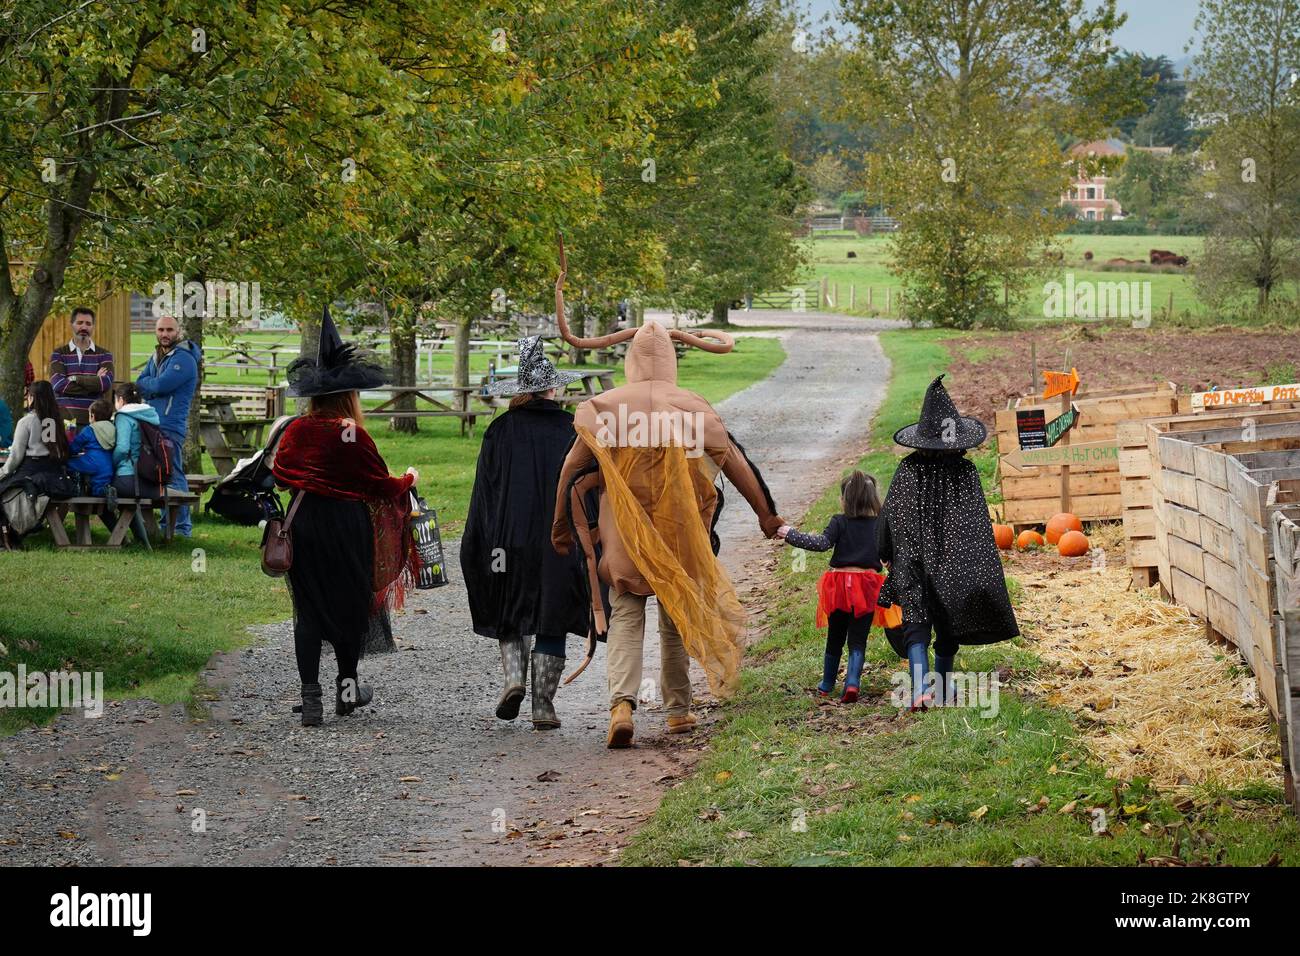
13	357
720	310
308	345
606	319
192	453
403	344
579	356
460	372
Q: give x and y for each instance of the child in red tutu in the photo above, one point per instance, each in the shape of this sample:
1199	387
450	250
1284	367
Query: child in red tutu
847	592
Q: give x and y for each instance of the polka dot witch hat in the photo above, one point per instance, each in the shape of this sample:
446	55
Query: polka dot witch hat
942	427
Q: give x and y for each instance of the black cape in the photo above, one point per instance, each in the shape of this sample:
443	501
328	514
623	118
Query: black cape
518	585
945	568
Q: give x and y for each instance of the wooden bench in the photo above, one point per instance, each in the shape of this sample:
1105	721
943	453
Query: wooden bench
85	508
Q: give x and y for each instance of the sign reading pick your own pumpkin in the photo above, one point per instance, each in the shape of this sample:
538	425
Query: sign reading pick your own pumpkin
1257	395
1058	426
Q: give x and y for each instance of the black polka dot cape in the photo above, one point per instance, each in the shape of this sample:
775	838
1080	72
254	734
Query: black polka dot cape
945	569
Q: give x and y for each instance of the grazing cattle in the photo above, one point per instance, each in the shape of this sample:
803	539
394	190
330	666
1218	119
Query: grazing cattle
1087	256
1124	262
1160	257
852	254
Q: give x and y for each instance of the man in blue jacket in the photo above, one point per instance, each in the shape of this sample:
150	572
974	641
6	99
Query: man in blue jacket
167	384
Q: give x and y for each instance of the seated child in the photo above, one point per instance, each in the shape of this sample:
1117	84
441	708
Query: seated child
91	452
847	592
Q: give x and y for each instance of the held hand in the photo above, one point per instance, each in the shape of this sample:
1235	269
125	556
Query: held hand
415	475
782	531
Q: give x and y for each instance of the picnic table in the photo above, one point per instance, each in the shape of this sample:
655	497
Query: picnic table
226	437
84	508
244	357
457	407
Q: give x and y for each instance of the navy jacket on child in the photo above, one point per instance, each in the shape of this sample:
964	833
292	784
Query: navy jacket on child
854	541
91	454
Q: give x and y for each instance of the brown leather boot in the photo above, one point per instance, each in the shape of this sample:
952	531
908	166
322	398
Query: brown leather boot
683	724
620	726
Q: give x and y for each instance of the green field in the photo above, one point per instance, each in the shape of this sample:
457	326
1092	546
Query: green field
869	275
150	621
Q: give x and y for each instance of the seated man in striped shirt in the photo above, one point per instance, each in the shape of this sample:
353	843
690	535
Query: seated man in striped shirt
79	371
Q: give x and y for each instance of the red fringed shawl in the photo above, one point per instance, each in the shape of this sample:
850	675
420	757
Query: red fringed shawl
338	459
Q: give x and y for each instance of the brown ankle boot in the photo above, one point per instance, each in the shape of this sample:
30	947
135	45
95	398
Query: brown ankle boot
683	724
620	726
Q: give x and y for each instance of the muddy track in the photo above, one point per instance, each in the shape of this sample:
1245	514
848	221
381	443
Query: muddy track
427	775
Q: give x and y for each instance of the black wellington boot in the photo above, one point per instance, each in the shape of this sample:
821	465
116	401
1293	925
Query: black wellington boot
313	711
350	694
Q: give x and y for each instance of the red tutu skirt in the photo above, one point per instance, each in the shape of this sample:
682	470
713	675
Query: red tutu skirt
854	590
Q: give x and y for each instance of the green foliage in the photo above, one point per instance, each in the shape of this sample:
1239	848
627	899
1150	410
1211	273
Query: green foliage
727	193
1243	85
969	110
1165	121
1157	188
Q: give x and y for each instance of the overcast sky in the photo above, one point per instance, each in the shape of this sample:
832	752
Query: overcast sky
1154	26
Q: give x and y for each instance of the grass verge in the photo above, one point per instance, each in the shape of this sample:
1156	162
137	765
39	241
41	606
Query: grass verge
789	780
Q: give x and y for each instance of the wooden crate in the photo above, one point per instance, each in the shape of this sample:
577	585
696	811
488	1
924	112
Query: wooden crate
1139	460
1285	527
1214	498
1098	490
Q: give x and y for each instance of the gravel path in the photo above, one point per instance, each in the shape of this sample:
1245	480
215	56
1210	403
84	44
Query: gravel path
426	775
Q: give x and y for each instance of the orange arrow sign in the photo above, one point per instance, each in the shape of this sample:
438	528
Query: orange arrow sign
1058	383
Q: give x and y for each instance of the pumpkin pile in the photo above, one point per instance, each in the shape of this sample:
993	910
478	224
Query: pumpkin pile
1064	530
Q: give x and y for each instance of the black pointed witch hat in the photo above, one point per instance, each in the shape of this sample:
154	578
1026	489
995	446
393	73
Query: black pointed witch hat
338	366
942	427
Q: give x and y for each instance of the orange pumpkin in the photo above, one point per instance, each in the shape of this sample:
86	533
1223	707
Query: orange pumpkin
1004	536
1029	539
1060	524
1073	544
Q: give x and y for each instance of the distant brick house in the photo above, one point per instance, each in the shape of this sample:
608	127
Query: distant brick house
1088	195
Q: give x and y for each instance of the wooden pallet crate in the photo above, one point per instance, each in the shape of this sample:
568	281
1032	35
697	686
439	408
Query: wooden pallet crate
1032	495
1286	570
1139	460
1216	489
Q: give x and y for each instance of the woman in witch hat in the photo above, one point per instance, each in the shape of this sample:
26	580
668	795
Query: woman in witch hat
352	556
519	587
936	536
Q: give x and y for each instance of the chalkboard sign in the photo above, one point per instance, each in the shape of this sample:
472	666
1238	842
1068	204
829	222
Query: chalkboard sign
1031	428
